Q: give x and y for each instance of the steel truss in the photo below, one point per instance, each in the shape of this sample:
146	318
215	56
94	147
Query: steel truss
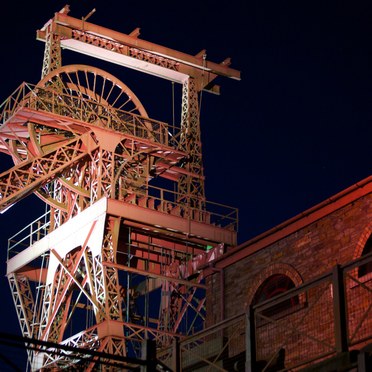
191	188
120	262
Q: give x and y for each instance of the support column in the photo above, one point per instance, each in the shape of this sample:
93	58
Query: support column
23	301
52	52
108	292
191	186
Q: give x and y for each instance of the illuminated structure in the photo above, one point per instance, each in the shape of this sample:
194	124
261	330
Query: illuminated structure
115	259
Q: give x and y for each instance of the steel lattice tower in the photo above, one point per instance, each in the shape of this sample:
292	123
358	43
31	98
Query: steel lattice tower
116	259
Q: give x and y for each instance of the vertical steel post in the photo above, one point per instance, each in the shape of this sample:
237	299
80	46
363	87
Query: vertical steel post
250	342
176	363
52	52
363	361
149	354
339	310
191	188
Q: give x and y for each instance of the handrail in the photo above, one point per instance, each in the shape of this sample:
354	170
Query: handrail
29	235
341	305
157	198
88	111
166	201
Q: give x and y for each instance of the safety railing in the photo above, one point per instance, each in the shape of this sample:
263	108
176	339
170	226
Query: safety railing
217	348
29	235
358	299
88	111
166	201
319	320
153	197
311	325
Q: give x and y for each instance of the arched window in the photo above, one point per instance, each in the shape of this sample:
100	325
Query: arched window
271	287
366	268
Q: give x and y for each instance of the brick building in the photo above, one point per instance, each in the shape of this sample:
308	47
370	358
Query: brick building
299	295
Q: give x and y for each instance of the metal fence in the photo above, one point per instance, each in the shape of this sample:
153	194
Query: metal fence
217	348
29	235
328	316
327	320
46	99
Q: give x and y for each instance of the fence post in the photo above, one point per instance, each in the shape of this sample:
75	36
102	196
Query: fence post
250	342
31	233
149	354
176	364
339	310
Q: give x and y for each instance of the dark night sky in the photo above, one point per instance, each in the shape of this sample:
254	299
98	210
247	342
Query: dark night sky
294	131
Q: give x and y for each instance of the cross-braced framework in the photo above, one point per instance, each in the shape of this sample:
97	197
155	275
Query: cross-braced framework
191	188
116	260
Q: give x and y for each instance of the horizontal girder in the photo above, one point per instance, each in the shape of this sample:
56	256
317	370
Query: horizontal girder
130	51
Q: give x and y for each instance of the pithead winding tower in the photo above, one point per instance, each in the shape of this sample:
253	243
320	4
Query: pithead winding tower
116	258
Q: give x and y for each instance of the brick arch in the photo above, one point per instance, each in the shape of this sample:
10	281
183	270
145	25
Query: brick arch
360	247
277	268
362	241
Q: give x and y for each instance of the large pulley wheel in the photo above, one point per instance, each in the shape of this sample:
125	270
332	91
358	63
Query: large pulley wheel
92	83
77	92
83	92
80	92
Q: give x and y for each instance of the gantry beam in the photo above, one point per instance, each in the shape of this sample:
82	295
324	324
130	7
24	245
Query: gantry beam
132	52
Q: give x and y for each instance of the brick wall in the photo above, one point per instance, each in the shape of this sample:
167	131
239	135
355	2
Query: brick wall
306	253
303	255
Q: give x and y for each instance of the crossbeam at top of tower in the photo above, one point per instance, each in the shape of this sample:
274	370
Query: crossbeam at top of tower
130	51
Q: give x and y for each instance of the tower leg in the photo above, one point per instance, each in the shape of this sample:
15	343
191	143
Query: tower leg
191	188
